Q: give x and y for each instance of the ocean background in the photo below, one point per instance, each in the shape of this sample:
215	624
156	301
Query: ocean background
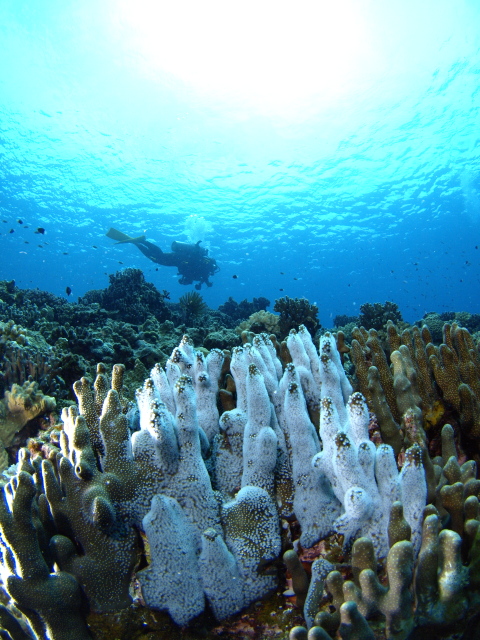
326	150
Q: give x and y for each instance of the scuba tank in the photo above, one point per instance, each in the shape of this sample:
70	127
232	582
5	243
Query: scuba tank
188	250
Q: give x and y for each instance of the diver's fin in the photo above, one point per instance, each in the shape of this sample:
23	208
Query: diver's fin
120	237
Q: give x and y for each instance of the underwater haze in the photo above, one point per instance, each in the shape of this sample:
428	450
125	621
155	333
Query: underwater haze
326	150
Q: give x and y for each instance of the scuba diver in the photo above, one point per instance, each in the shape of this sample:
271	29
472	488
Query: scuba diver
191	260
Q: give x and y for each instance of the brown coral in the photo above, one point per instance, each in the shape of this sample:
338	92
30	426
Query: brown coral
259	322
20	405
435	383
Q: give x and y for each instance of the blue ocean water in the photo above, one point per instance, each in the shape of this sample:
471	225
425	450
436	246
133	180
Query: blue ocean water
319	151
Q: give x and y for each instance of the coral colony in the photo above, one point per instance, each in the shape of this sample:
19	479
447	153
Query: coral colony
174	505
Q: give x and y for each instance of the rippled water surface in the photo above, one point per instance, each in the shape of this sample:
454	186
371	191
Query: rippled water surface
327	153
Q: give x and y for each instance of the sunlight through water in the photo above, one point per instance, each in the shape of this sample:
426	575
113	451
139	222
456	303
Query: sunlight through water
329	147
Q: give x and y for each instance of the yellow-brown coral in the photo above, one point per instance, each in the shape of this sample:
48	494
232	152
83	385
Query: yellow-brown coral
260	321
20	405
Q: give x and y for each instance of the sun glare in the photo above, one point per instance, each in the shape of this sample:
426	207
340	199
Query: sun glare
266	51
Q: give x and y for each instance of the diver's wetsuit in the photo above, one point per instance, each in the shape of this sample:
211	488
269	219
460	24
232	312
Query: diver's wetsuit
191	260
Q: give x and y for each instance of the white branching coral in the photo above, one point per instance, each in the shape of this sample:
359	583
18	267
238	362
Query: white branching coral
340	481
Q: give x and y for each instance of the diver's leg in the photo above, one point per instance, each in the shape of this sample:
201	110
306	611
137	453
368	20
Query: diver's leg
155	254
145	249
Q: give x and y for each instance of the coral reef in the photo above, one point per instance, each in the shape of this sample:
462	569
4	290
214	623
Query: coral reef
441	574
50	601
376	316
349	485
104	483
425	387
131	297
20	405
192	305
435	322
431	594
221	338
226	461
294	312
242	310
260	322
342	320
56	342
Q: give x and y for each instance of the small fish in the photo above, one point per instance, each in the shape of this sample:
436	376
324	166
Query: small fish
282	273
20	221
295	278
280	289
234	277
120	262
40	230
68	290
94	246
65	253
12	231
